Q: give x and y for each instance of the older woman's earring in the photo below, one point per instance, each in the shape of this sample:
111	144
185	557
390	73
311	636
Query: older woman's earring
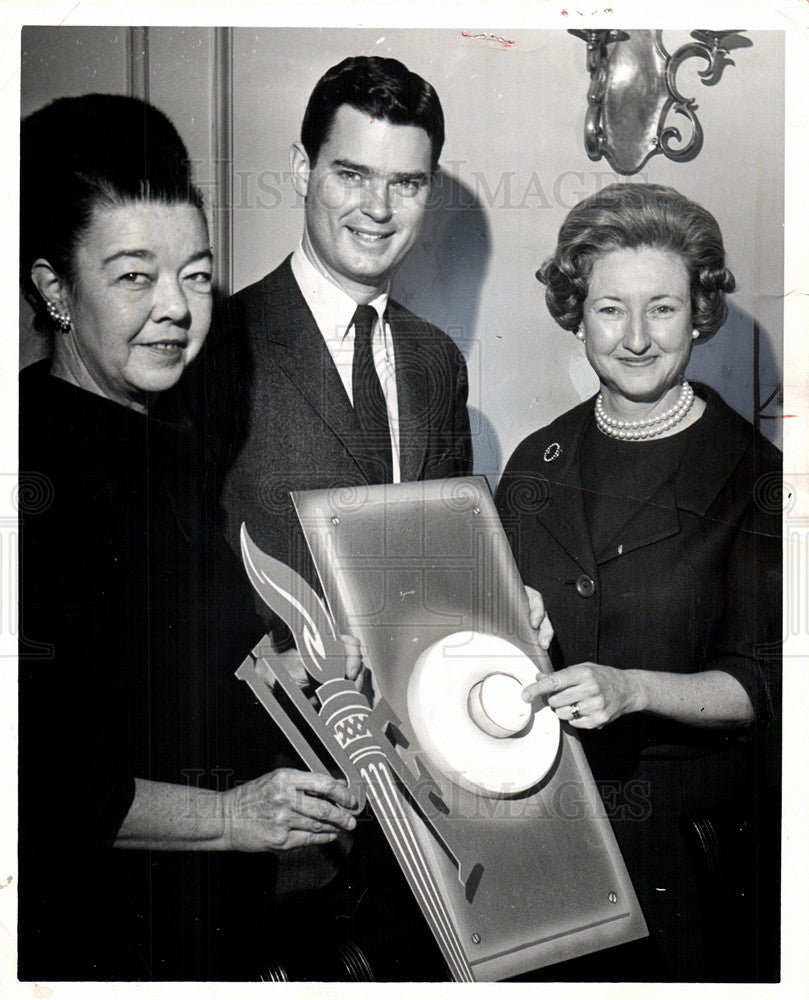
579	334
60	316
695	334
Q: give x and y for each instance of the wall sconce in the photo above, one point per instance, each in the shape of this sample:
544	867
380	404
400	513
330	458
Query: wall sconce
633	91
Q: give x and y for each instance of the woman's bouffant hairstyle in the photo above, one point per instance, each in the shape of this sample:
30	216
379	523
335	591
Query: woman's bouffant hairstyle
78	154
380	88
628	216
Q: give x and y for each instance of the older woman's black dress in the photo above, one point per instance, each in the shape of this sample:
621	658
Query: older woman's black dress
666	555
134	620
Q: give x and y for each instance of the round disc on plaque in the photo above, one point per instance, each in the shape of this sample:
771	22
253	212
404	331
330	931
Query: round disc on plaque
465	707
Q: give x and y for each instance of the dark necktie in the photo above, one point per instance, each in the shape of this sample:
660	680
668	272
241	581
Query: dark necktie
369	401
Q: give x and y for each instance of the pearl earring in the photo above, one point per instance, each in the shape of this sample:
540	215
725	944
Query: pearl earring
60	316
695	334
579	334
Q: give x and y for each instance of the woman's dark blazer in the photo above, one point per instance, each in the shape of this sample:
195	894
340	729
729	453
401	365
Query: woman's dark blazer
691	583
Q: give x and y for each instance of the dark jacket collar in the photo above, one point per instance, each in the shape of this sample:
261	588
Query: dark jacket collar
720	433
288	322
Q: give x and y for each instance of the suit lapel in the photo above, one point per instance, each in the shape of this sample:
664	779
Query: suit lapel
563	516
695	491
562	512
651	522
305	360
688	489
410	394
307	363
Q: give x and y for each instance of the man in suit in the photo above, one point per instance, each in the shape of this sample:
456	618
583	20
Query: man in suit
341	396
346	388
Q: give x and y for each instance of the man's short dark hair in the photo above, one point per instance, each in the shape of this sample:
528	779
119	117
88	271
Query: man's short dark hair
381	88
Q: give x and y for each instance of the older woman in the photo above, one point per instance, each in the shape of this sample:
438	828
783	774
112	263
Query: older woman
147	821
642	517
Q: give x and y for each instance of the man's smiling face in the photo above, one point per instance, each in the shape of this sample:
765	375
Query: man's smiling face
365	198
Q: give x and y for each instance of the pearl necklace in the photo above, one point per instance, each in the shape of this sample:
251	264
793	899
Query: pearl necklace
639	430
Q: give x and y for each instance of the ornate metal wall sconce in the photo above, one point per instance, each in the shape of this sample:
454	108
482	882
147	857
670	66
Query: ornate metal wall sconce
633	91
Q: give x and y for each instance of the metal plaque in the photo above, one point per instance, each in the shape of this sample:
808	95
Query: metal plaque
489	806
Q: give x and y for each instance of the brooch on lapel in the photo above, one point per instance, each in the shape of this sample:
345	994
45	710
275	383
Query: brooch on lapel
552	452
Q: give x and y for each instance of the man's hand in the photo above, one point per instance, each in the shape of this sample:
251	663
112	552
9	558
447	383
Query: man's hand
588	695
295	668
354	668
286	809
538	618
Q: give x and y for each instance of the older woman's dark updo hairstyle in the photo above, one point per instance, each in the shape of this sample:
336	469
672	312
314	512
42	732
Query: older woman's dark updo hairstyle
78	154
626	217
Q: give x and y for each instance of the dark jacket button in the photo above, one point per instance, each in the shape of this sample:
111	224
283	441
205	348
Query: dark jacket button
585	586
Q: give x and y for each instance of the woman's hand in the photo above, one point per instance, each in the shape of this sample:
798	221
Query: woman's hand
538	617
588	695
276	812
286	809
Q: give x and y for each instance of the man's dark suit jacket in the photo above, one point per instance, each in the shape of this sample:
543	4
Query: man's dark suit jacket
296	430
300	431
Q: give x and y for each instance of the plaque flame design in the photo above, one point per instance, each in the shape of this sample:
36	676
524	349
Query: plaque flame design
360	732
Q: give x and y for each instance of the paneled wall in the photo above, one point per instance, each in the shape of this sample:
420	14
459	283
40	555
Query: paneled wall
513	164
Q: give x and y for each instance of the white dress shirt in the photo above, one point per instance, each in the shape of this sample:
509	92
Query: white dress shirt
333	310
